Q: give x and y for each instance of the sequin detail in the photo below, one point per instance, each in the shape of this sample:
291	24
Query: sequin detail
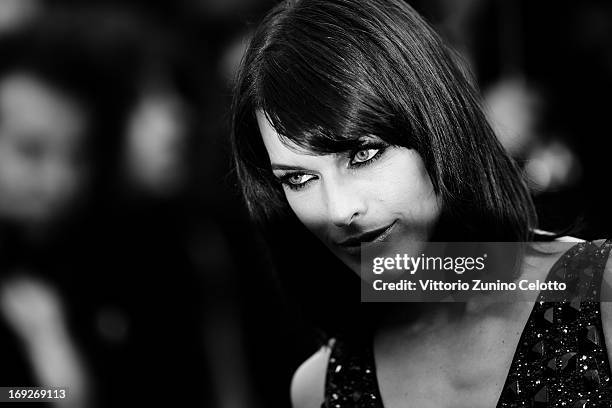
351	378
561	359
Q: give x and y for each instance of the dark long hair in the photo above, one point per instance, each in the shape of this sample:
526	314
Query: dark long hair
329	71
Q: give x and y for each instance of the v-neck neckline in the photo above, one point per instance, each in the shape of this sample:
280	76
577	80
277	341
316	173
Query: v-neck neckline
568	253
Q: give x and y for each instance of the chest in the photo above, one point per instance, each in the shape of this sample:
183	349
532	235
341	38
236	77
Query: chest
559	356
545	354
451	367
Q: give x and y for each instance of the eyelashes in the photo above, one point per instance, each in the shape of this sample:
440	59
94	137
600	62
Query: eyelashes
365	155
296	181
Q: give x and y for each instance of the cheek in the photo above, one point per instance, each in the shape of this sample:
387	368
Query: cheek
407	190
307	207
416	196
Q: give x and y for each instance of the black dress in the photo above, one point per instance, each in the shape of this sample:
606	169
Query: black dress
561	359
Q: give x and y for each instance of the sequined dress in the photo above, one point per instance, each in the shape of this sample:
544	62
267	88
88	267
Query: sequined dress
561	358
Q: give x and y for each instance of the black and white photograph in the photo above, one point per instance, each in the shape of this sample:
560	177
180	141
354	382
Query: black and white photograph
305	203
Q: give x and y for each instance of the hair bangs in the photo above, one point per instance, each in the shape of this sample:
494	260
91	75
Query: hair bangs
321	104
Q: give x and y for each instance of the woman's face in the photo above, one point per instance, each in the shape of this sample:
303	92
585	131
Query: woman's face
156	142
377	193
41	134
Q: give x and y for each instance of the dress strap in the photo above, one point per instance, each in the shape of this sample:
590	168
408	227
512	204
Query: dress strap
351	378
600	255
581	268
561	358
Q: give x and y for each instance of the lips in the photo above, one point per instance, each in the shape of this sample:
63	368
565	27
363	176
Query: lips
354	243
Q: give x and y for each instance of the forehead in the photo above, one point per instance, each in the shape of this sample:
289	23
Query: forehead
29	106
280	151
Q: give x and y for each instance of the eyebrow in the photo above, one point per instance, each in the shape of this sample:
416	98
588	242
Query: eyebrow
287	167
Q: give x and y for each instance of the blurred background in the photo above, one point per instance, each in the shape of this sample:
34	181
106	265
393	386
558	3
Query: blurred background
128	266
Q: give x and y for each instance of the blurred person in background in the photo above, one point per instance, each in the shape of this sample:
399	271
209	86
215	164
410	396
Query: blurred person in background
115	276
41	133
50	108
155	145
163	227
272	346
14	13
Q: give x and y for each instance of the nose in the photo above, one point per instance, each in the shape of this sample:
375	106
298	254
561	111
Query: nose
345	203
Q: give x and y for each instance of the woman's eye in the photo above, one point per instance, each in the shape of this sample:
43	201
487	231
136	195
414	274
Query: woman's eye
296	180
363	156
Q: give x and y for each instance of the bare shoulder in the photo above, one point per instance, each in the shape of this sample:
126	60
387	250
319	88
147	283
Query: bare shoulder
608	269
556	246
544	254
606	297
606	293
308	383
